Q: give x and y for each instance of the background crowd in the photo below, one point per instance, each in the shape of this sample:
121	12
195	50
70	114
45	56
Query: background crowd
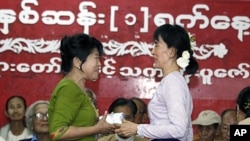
31	124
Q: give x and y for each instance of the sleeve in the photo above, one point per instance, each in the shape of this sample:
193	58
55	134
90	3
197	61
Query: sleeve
177	105
66	104
174	96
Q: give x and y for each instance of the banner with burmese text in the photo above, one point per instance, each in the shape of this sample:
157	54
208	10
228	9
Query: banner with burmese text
31	30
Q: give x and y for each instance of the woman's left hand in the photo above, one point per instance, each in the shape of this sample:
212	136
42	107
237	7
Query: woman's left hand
126	129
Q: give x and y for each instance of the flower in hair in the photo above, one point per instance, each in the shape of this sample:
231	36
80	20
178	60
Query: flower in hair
183	61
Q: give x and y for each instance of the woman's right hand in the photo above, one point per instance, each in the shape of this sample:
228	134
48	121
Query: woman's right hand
104	127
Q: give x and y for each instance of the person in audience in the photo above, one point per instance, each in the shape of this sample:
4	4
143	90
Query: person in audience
91	95
208	123
72	116
171	106
37	121
141	115
243	106
129	110
228	117
15	130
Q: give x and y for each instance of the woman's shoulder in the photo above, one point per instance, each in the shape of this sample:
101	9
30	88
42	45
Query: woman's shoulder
174	77
65	81
174	74
66	85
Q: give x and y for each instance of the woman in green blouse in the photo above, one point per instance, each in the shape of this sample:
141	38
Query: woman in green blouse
72	115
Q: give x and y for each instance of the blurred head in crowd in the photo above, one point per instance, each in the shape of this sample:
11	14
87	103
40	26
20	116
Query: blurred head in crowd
243	104
208	123
15	108
91	94
141	115
125	106
37	118
228	117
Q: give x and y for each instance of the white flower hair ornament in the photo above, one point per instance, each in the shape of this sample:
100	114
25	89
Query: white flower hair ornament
183	61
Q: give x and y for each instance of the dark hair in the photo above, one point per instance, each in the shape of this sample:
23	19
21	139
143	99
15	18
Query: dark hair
143	103
79	45
123	102
243	100
15	96
176	36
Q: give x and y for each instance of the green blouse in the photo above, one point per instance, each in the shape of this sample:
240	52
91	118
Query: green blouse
70	106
